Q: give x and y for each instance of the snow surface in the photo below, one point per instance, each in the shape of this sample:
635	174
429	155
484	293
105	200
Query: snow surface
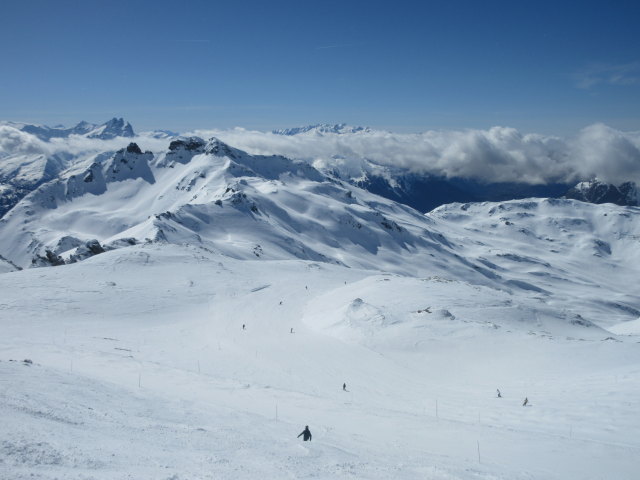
134	363
141	369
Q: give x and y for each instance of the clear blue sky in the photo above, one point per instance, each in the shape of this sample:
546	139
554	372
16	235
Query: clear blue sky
548	67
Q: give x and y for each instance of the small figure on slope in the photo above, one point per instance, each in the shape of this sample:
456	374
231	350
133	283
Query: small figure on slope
526	400
499	394
344	387
306	434
243	326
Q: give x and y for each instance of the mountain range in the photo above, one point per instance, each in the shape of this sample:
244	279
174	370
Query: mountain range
35	154
207	193
204	302
116	127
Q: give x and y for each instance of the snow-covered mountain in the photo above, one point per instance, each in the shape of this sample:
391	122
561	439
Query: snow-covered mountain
211	194
31	155
116	127
407	178
595	191
244	206
320	128
207	303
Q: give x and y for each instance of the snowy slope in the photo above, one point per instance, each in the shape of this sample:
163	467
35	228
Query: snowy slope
209	194
578	257
141	368
6	266
139	365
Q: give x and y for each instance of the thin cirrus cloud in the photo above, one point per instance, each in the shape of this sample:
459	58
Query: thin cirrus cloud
609	74
340	45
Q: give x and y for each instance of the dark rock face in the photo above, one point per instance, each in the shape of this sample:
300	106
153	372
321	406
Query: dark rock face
134	148
190	144
600	192
88	249
220	149
49	259
182	150
94	247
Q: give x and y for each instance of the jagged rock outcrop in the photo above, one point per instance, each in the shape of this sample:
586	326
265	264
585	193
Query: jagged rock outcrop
596	191
182	151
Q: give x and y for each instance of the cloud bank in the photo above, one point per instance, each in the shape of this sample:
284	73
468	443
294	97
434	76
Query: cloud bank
499	154
16	142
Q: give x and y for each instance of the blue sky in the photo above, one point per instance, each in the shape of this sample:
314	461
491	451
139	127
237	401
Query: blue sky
547	67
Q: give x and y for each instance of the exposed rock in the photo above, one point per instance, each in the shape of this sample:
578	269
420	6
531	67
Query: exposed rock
49	259
134	148
88	249
600	192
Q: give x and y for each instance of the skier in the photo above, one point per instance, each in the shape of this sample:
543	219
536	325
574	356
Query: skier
499	394
291	329
344	387
306	433
526	400
243	326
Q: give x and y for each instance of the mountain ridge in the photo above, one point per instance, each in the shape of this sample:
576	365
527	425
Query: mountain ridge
115	127
271	208
28	160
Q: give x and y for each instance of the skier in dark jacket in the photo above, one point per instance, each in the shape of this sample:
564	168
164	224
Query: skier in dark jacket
306	433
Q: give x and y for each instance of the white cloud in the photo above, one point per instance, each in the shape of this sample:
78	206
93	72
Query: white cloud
609	154
13	141
499	154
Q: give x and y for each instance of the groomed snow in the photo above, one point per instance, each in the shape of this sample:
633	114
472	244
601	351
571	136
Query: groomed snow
141	369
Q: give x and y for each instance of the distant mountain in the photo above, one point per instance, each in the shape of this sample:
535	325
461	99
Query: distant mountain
159	134
28	161
22	172
599	192
422	191
338	128
208	194
116	127
32	164
426	192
